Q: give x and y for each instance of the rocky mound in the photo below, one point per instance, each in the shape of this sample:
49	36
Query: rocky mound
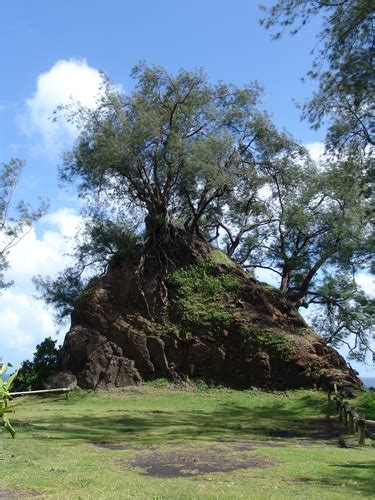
217	324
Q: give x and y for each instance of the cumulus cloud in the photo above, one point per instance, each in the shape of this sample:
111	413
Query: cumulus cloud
25	321
67	81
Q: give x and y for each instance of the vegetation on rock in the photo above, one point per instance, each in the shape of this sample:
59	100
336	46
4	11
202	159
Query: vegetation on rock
199	299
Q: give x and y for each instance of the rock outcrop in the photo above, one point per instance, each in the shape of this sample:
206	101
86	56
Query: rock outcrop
218	324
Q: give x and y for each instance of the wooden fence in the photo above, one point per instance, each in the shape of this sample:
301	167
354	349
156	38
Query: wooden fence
354	422
64	390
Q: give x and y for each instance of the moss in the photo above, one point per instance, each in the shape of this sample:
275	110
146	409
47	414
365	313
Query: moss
218	257
269	288
201	295
89	288
271	340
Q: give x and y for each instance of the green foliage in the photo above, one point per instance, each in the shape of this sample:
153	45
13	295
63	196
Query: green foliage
219	257
101	243
61	292
87	291
345	311
45	361
365	403
272	340
5	406
343	65
200	295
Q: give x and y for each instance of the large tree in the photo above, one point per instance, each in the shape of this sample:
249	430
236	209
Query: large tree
178	149
180	159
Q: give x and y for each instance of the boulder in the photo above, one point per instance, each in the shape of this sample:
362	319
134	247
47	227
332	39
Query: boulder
60	380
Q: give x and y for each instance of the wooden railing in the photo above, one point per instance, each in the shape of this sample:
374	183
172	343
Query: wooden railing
64	390
354	422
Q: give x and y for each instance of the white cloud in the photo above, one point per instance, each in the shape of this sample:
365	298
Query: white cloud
47	254
67	81
367	283
316	150
25	321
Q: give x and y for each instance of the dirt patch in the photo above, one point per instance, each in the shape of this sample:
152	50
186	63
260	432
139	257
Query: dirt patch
191	463
194	460
313	430
17	494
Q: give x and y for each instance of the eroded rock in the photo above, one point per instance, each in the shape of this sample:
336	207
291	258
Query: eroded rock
262	341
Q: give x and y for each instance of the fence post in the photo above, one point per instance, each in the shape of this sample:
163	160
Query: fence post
341	411
361	431
346	420
351	421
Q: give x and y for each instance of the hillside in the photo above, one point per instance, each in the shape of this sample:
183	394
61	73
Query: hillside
215	323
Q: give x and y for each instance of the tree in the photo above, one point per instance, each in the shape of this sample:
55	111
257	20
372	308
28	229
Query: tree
343	66
16	218
344	69
99	242
317	244
176	150
45	361
346	315
185	159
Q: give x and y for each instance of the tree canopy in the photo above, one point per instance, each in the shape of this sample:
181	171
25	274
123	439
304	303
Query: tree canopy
344	69
181	155
343	65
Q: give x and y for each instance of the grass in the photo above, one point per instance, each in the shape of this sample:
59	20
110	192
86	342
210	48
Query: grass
94	445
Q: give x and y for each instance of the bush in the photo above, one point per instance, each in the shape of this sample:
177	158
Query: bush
365	403
45	361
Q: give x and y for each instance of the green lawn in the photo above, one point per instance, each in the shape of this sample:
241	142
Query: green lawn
165	442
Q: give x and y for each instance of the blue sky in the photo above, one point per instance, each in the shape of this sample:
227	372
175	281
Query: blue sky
53	50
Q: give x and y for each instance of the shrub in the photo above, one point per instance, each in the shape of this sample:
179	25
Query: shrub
5	407
45	361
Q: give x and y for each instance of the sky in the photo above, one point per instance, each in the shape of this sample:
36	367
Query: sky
52	52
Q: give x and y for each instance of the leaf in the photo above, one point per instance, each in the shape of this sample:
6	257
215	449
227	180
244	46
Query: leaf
10	381
8	426
3	368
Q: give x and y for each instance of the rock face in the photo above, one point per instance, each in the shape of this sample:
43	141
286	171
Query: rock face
219	325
